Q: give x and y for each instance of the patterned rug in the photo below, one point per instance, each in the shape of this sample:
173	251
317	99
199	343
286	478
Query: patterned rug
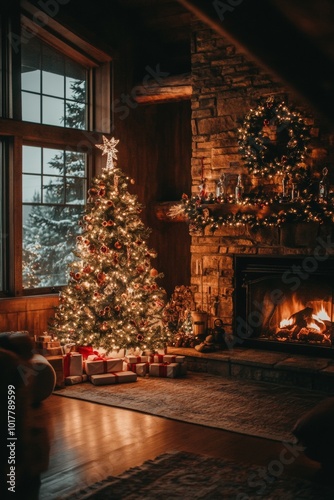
189	476
254	408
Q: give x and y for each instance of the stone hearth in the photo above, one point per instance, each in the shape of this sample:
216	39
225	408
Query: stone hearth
266	366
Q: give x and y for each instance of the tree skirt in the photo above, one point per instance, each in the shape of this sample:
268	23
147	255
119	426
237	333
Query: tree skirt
186	475
254	408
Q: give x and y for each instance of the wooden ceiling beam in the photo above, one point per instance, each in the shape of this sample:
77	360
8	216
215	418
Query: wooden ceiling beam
262	31
169	89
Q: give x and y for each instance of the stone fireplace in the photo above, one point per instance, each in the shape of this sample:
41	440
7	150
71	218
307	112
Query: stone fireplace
237	267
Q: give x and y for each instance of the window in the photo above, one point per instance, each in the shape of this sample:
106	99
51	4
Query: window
47	150
54	188
54	87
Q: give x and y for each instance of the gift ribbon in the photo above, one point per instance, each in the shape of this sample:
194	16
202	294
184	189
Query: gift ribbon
163	370
116	377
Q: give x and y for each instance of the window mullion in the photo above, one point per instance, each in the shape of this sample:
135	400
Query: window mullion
15	218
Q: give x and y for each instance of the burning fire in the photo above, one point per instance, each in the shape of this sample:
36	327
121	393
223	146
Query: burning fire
317	325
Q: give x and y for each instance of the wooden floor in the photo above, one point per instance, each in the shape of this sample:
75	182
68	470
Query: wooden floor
91	441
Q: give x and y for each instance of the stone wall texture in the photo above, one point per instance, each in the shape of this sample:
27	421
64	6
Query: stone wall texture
226	84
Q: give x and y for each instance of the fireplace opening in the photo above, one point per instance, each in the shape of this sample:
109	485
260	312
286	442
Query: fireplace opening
285	303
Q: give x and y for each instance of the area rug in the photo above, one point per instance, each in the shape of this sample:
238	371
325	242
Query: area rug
254	408
189	476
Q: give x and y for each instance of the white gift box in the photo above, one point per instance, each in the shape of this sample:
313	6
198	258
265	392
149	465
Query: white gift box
136	359
73	364
156	358
169	358
141	369
170	370
113	378
103	366
75	379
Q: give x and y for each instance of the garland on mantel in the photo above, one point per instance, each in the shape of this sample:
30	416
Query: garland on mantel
201	215
272	141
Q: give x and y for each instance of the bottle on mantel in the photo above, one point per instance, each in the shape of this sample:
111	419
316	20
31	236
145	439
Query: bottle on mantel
239	190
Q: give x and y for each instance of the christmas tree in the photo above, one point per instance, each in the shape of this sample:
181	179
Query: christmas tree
112	298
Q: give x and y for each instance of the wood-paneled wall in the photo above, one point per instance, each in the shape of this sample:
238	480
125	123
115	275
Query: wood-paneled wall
27	313
155	149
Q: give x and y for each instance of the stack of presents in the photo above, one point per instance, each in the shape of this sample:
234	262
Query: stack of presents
85	364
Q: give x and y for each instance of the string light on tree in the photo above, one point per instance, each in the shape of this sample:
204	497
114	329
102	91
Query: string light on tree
112	297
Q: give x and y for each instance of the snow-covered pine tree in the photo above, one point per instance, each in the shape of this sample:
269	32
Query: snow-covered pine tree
112	298
50	230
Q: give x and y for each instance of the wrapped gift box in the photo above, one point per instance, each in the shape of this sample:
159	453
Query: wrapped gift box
73	364
47	345
103	366
75	379
170	370
136	359
57	362
169	358
52	351
156	358
113	378
141	369
43	338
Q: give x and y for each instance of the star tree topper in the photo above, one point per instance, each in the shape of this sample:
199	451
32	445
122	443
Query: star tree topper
109	148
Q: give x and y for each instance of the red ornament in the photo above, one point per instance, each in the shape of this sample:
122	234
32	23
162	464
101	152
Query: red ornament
266	122
87	269
92	248
118	245
77	276
92	192
104	249
101	277
102	192
140	337
110	203
154	272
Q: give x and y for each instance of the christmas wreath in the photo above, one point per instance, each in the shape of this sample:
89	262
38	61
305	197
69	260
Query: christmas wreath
273	139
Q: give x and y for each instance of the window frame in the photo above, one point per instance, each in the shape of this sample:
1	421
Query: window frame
18	133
